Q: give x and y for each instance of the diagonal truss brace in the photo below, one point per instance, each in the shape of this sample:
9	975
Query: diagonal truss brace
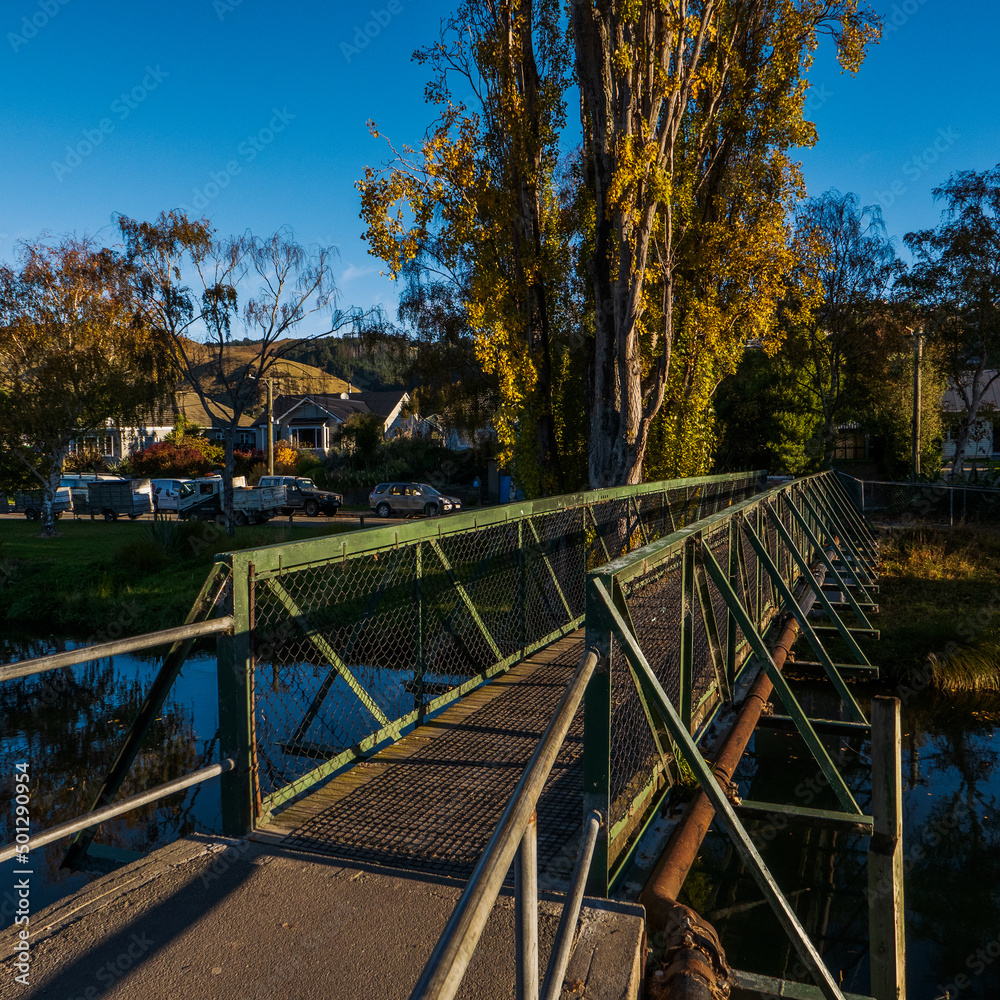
821	596
466	600
843	514
859	564
807	628
723	808
821	551
715	650
548	566
781	687
326	649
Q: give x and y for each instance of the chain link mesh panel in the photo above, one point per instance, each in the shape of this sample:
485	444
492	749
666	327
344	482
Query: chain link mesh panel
350	652
655	604
929	503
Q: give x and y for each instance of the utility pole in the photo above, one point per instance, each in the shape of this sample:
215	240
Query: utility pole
917	353
270	428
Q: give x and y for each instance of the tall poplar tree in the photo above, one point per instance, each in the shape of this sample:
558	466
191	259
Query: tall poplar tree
690	109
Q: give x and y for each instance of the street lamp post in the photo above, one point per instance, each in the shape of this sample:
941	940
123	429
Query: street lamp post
918	335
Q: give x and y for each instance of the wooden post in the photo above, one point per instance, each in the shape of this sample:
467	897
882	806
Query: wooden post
885	856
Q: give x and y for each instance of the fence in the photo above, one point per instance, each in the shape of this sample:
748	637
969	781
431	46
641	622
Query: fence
697	604
343	642
929	503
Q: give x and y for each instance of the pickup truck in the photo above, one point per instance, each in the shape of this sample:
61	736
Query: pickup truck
201	499
304	495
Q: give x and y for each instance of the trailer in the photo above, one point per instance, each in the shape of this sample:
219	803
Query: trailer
201	500
30	503
111	499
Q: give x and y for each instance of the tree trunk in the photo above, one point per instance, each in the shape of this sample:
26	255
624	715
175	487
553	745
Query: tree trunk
962	433
49	495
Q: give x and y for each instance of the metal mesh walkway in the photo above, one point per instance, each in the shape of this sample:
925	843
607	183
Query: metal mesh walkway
430	802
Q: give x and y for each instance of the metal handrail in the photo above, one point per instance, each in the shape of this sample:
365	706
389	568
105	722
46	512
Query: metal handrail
126	805
446	967
101	650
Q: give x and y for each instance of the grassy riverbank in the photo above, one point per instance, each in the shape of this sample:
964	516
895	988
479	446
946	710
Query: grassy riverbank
127	577
940	597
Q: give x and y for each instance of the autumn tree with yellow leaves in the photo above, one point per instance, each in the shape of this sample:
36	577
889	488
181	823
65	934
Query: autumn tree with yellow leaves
674	212
477	209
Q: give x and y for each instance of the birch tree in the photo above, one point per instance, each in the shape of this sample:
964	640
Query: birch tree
244	287
956	280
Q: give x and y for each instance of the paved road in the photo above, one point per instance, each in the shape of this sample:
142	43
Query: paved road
356	519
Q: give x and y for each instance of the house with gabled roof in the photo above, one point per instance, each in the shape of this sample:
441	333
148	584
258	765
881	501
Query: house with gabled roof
314	420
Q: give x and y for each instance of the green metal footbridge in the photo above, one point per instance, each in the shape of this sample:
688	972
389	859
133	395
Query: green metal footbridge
514	691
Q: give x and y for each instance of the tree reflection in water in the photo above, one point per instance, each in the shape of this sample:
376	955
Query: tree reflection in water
69	725
951	797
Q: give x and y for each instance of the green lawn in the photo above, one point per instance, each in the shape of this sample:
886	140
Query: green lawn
123	578
938	587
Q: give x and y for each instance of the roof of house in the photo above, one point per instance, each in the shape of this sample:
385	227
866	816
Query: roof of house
951	402
188	403
384	404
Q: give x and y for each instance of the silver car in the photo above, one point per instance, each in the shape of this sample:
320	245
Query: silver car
404	499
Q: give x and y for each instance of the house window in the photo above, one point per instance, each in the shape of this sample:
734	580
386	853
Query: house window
307	437
849	446
246	439
103	444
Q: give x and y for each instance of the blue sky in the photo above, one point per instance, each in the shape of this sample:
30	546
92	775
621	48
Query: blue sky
254	114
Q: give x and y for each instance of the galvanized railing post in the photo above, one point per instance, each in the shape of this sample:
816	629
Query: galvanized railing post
236	708
526	913
685	695
420	667
597	738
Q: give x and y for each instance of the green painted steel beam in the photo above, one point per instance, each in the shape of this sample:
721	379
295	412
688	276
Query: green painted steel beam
723	808
466	600
820	725
289	556
807	627
781	687
833	530
769	986
824	601
775	810
828	562
548	566
844	668
319	641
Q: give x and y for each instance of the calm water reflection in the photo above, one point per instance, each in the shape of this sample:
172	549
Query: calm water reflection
69	725
951	796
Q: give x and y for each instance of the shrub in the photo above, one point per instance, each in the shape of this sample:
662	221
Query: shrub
165	458
286	458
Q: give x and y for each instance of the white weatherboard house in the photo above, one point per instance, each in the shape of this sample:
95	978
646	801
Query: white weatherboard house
313	421
984	442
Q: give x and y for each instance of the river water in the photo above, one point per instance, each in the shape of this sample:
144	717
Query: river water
67	727
951	798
